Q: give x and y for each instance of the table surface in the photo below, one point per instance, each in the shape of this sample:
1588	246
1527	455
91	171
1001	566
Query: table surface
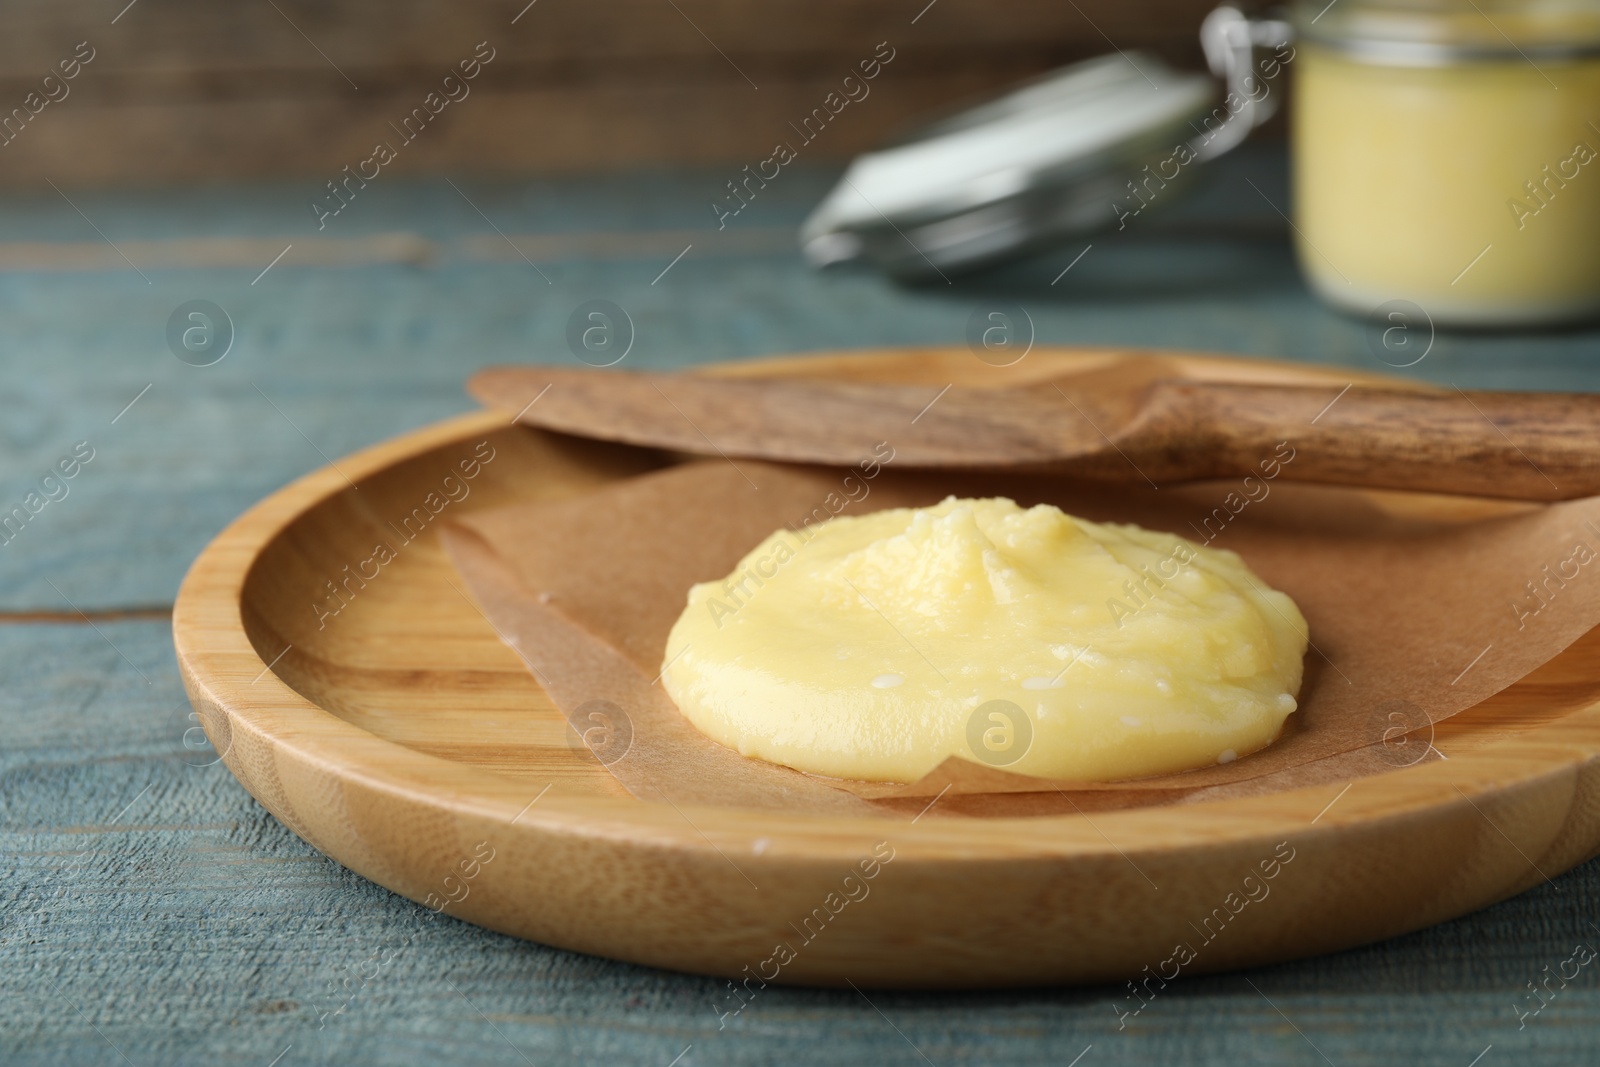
153	913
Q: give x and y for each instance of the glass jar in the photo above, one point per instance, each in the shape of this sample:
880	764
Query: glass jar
1447	153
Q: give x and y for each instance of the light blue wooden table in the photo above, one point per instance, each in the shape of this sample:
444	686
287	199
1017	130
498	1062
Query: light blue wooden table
152	914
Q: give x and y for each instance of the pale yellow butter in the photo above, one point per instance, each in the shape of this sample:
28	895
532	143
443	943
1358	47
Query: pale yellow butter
1470	190
874	647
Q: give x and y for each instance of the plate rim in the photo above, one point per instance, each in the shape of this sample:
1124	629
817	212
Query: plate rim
221	667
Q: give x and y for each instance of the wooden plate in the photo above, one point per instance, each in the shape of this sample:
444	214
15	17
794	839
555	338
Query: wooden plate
401	737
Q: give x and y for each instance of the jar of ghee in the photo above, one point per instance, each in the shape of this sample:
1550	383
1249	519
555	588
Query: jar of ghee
1447	153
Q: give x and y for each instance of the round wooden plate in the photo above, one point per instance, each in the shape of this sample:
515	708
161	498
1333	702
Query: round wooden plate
401	737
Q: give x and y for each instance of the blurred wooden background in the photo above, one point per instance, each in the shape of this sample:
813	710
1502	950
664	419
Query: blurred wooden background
196	90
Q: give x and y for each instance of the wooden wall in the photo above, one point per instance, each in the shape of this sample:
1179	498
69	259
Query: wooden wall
186	90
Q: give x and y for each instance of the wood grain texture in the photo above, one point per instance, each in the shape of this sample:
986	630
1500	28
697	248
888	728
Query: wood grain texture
400	733
352	355
185	91
1137	421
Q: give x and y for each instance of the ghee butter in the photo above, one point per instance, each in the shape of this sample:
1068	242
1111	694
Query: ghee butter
874	647
1447	153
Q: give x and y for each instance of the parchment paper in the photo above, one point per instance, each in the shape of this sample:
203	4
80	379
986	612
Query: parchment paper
1418	606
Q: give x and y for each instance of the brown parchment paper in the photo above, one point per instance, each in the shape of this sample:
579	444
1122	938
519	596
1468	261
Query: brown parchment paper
1419	607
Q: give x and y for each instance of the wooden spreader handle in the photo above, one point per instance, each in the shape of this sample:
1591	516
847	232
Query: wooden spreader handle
1520	446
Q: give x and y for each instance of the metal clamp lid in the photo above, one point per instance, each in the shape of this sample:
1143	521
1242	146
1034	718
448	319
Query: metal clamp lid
1043	163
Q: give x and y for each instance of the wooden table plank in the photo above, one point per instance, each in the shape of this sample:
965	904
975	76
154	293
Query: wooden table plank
185	90
196	929
328	359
